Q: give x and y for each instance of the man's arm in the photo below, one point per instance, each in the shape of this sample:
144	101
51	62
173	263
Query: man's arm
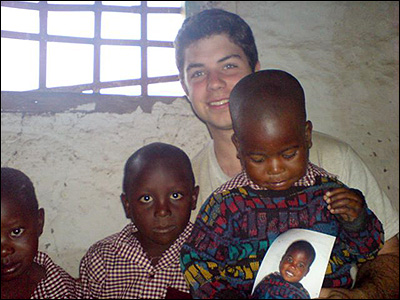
376	279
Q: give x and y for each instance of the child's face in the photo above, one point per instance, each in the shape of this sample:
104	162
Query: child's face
160	201
20	231
294	265
274	153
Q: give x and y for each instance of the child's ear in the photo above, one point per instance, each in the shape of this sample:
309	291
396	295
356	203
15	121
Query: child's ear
195	195
126	205
40	221
236	142
308	134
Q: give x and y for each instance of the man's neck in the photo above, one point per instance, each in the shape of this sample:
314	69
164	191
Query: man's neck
225	152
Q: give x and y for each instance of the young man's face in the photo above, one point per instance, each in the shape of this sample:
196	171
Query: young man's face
294	265
212	68
20	231
160	202
274	152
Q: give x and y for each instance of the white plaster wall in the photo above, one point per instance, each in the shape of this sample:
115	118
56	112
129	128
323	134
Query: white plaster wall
345	54
76	164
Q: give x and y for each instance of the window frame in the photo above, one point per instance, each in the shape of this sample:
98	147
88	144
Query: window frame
71	98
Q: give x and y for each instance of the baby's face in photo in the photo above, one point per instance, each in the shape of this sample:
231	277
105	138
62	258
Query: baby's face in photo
294	265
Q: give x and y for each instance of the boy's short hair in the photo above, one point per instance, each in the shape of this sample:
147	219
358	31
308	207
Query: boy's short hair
158	149
215	21
17	186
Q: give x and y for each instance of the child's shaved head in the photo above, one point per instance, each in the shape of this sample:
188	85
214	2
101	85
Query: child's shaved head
152	153
267	94
17	186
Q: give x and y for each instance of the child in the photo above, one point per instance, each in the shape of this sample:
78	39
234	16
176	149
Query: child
294	266
278	190
25	271
142	261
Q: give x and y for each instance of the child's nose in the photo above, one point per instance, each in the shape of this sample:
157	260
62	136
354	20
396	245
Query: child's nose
163	209
274	167
6	248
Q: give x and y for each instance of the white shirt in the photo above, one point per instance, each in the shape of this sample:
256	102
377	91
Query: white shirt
331	154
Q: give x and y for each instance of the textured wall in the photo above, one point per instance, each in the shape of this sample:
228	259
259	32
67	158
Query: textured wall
344	53
76	164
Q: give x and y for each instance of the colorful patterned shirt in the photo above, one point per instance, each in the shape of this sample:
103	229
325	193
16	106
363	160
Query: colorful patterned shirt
236	226
274	286
57	284
117	267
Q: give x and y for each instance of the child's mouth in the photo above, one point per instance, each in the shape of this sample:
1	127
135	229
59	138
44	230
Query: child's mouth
164	229
10	268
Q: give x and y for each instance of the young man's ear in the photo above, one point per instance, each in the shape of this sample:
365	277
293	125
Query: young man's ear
308	134
183	84
40	221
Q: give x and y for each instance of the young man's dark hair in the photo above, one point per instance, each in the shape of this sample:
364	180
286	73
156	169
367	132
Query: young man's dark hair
215	21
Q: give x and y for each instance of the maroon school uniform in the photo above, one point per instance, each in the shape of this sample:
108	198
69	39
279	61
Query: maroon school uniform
57	284
118	268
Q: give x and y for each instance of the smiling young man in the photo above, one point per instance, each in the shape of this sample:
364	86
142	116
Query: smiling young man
219	68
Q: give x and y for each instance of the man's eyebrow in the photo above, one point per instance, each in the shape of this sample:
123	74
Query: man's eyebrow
193	66
229	57
200	65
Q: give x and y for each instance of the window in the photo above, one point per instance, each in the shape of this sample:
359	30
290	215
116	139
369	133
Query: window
109	52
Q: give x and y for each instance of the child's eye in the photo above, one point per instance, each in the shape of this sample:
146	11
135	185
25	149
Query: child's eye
257	158
17	232
176	196
146	199
289	155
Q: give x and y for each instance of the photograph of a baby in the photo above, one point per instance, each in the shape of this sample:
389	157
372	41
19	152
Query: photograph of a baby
294	266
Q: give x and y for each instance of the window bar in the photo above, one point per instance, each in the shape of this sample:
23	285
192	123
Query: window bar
143	40
96	44
43	13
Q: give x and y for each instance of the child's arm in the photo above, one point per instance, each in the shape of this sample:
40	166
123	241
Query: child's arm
362	231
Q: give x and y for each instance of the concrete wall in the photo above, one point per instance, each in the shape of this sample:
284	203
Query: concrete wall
344	53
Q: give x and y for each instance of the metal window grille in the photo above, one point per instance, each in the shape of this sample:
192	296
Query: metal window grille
68	97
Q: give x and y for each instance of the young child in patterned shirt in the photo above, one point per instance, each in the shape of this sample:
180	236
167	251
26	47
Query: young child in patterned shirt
277	190
142	261
293	267
26	273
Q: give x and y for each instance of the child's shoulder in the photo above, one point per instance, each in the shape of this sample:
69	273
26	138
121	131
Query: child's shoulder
45	261
110	242
57	283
